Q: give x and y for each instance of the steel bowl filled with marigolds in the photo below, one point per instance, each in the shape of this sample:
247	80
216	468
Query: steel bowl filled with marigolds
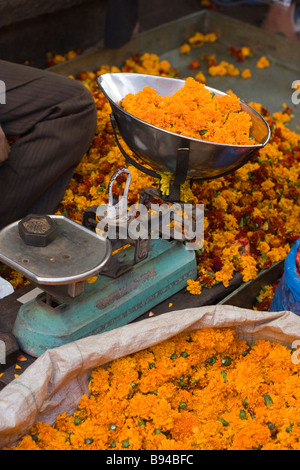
159	116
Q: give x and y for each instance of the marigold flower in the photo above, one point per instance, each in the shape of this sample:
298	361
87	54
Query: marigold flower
194	65
185	48
200	38
200	77
193	287
246	73
263	63
225	274
223	68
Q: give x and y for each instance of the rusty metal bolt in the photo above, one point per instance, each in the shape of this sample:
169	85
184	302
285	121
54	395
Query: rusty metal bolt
37	230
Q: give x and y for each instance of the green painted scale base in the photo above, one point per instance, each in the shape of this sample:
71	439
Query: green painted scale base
106	303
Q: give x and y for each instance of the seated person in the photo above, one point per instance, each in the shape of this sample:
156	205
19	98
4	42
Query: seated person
54	121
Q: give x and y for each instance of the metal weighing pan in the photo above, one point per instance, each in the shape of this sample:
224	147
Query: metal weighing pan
159	148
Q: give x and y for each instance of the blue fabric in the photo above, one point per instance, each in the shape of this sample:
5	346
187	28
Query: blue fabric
287	294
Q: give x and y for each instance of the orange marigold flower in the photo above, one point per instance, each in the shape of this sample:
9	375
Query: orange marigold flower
185	48
193	287
263	63
246	73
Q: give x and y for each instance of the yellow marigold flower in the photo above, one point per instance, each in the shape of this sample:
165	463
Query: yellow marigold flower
164	66
225	274
230	222
262	63
71	55
186	193
256	106
281	173
210	37
219	202
59	58
267	292
248	267
263	246
185	48
230	252
229	237
214	70
256	212
246	73
282	117
232	70
218	239
286	204
200	77
68	196
223	68
277	254
267	185
215	184
193	287
81	202
91	280
200	38
230	195
17	280
246	51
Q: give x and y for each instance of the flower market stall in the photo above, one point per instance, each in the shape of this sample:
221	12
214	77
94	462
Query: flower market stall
165	372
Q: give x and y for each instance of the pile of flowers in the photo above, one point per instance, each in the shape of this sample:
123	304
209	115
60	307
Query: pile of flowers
193	111
197	40
223	67
54	59
252	216
265	297
190	392
240	53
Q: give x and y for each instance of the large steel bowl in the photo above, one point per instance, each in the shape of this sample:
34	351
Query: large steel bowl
158	148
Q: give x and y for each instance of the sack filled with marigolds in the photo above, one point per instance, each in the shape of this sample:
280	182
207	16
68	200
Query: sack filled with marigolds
210	378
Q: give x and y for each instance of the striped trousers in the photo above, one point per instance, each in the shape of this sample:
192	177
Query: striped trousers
54	118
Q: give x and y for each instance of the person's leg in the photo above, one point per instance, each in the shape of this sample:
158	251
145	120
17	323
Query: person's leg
55	119
281	19
121	22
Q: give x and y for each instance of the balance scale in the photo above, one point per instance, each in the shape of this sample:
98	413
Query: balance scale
90	283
